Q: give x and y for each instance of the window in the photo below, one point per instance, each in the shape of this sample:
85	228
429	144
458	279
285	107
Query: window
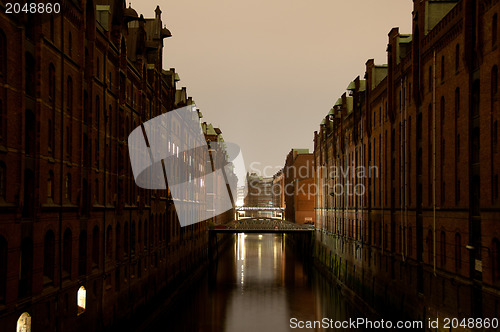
494	30
50	186
442	68
4	249
95	246
81	300
96	194
24	323
30	82
48	257
67	253
70	44
494	83
52	83
457	57
109	241
117	237
82	253
52	27
430	78
495	248
458	253
67	194
443	249
3	181
3	55
69	92
25	268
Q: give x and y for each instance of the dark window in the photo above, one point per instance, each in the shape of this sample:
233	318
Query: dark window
70	44
3	55
494	30
457	57
67	253
458	253
95	246
49	256
69	96
25	268
3	181
68	187
4	250
50	185
109	241
443	249
430	78
29	193
126	239
442	68
82	253
118	244
29	77
52	27
496	259
29	133
52	83
494	83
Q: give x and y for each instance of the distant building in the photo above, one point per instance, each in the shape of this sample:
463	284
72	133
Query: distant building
298	186
259	195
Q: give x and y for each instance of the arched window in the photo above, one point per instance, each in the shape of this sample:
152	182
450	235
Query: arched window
82	253
95	247
81	300
24	323
48	257
4	249
67	253
26	268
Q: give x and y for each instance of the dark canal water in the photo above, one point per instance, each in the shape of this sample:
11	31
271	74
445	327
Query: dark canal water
257	285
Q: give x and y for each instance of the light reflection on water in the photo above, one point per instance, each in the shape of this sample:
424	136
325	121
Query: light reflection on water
258	285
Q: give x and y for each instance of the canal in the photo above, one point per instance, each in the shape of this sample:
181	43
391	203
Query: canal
258	284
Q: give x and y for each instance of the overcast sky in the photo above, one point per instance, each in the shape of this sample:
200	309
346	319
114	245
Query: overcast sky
267	71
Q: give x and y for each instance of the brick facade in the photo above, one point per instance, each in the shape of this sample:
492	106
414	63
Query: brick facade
423	236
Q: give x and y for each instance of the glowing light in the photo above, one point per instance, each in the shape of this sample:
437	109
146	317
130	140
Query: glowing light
81	300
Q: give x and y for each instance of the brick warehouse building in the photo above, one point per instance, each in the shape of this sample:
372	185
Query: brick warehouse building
422	240
81	246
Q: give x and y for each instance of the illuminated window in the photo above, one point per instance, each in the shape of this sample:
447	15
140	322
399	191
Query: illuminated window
24	323
81	300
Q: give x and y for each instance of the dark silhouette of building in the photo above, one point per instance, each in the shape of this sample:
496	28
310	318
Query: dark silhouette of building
422	239
81	246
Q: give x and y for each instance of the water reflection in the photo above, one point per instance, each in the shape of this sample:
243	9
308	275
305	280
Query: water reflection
258	285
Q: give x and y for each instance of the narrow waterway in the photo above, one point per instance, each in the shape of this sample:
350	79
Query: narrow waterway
258	284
